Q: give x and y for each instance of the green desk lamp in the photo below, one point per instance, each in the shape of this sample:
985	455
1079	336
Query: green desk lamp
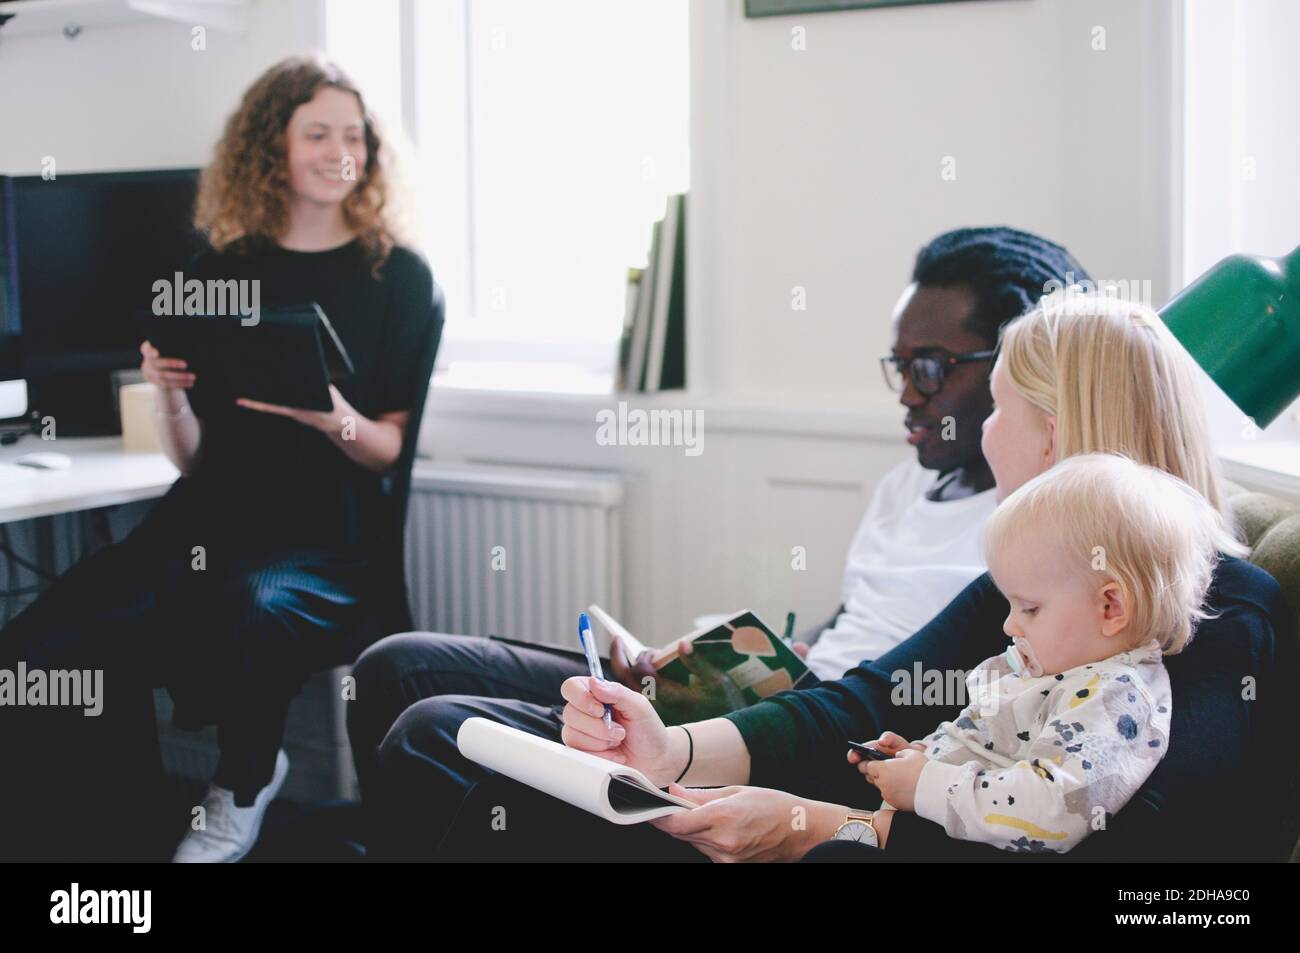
1241	322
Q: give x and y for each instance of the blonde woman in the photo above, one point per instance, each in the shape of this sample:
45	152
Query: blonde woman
1075	375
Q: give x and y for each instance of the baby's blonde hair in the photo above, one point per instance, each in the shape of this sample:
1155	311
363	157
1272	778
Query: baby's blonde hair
1116	381
1127	523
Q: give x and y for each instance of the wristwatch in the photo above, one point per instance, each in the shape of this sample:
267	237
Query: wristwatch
858	827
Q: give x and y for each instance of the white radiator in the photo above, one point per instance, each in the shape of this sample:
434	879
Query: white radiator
518	553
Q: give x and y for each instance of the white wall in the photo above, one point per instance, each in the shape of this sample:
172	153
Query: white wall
135	95
829	161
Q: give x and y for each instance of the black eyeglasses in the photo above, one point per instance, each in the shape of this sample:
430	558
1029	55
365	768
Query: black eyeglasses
926	372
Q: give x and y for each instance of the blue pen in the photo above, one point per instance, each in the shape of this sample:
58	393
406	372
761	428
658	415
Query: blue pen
593	660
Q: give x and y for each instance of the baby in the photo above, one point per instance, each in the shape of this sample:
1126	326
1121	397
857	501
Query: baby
1105	564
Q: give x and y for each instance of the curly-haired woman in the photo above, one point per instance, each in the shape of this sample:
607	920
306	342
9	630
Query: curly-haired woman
253	567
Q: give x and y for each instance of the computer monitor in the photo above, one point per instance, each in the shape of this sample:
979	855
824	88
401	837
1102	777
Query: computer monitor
81	255
11	346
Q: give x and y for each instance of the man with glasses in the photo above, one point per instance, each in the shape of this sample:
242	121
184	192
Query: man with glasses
916	548
919	542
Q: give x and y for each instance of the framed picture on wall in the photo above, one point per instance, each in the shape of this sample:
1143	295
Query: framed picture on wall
776	8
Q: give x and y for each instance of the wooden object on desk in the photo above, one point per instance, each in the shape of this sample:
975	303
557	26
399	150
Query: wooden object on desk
136	403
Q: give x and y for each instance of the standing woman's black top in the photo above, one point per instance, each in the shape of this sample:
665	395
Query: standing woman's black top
263	481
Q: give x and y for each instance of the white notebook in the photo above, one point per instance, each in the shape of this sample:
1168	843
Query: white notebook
619	794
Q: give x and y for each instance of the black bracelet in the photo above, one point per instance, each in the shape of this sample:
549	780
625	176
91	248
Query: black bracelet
690	754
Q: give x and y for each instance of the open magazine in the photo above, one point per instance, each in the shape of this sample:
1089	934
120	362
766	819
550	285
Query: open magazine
619	794
733	664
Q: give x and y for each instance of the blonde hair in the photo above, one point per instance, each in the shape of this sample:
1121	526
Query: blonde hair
1116	381
1119	521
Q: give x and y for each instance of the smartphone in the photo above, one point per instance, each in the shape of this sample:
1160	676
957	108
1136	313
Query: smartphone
871	754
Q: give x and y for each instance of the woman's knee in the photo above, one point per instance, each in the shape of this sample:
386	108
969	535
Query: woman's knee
253	590
254	628
266	610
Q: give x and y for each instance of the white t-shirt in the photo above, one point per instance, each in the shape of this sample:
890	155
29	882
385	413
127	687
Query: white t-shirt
910	557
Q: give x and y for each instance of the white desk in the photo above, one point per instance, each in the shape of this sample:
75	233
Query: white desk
102	474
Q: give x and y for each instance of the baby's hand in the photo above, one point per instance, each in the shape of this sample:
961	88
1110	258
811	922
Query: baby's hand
889	743
897	778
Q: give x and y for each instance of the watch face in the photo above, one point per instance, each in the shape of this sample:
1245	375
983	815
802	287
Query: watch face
860	831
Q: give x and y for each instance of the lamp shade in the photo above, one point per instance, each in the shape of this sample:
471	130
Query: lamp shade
1241	322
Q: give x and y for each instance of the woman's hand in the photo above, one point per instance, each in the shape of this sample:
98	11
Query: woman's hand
737	824
326	421
164	373
178	430
637	737
375	444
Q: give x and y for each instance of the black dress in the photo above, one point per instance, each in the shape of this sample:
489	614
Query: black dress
240	581
264	481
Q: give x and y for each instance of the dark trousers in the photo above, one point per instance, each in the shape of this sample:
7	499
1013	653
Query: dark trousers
424	800
412	692
233	642
503	821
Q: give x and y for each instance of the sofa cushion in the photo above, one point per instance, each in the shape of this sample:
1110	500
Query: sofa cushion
1271	527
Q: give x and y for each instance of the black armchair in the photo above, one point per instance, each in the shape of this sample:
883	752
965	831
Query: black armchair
390	608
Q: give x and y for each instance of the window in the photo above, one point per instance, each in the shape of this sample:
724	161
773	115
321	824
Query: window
545	138
1241	148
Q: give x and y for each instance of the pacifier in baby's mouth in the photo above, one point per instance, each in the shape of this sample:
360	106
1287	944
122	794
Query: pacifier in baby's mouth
1020	656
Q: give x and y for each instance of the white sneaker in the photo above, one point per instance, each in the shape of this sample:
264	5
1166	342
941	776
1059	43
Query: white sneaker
231	831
